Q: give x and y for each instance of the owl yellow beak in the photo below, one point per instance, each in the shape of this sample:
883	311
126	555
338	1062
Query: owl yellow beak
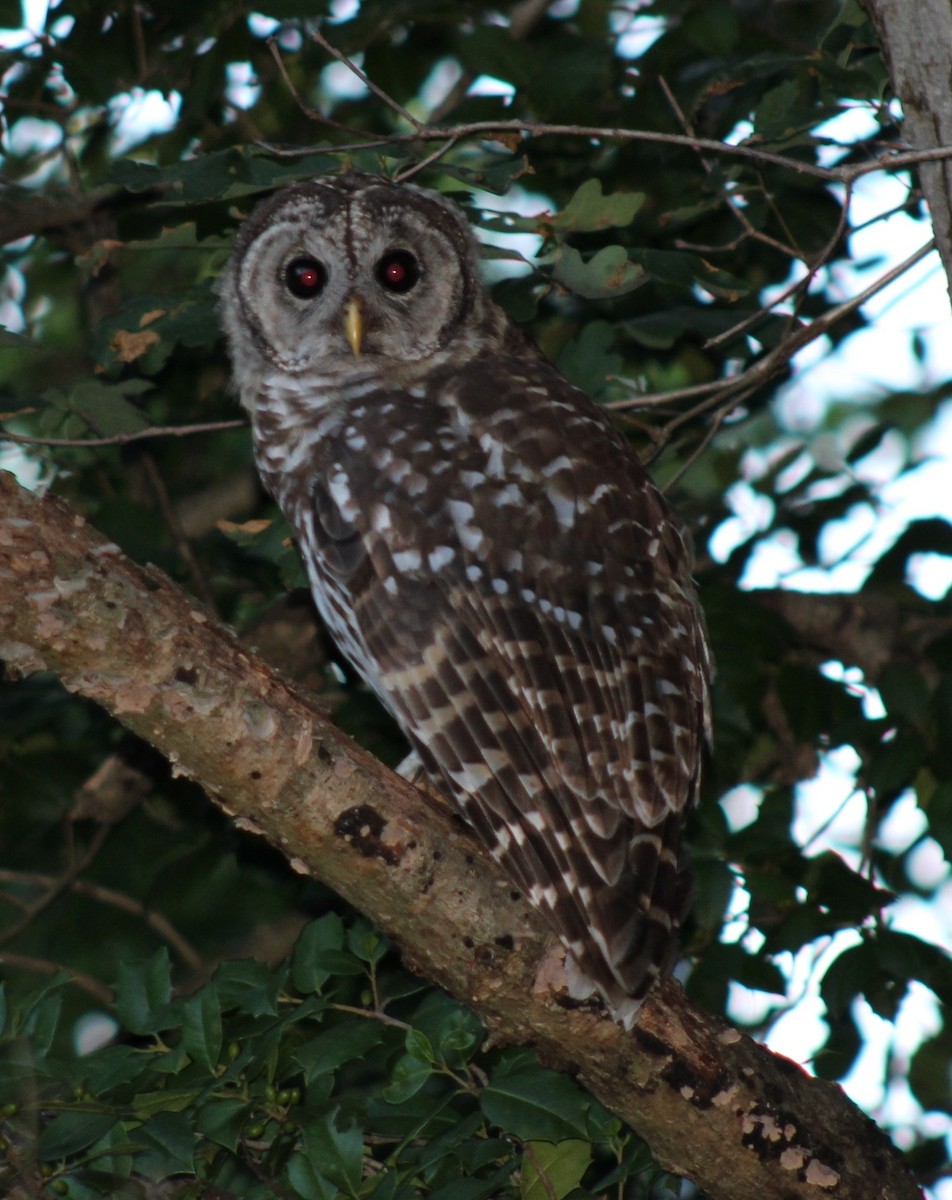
354	325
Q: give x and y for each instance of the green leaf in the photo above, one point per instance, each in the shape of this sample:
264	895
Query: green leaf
536	1104
676	268
143	991
113	1066
71	1131
418	1044
409	1074
169	1138
366	943
589	210
306	1181
320	936
223	1120
550	1171
112	1153
250	987
202	1028
905	693
607	274
166	1100
336	1155
349	1041
929	1072
589	359
42	1022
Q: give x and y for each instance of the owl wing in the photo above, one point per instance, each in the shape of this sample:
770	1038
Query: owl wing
530	620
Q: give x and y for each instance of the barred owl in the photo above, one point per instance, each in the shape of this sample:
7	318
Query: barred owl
488	553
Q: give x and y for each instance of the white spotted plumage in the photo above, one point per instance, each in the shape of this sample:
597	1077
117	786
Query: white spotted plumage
489	554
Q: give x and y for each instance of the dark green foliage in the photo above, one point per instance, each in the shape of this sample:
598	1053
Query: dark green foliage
294	1077
649	269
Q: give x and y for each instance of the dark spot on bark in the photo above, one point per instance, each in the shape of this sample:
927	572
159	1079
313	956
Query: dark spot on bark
110	604
648	1042
588	1004
468	943
483	955
362	827
325	755
186	675
505	942
703	1088
255	775
411	845
515	895
437	855
678	1075
470	860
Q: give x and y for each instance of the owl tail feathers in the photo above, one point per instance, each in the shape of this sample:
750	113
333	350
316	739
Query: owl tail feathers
624	1009
623	969
624	985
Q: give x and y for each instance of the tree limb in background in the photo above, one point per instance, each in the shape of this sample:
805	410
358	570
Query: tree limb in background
916	41
713	1105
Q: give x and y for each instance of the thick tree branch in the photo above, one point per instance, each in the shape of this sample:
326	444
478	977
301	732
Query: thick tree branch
713	1105
865	630
917	43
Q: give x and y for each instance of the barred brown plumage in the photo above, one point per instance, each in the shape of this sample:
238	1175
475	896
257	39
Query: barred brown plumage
489	553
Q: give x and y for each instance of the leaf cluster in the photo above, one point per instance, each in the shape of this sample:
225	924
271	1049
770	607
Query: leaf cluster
333	1073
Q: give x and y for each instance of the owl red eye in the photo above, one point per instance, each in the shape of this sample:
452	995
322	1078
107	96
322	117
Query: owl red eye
397	271
304	277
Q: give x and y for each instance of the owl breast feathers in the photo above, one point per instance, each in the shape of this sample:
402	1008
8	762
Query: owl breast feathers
489	554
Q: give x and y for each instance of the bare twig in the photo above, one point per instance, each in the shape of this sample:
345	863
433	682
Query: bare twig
171	518
115	899
740	216
123	439
365	79
60	884
43	966
889	161
726	395
403	176
311	113
797	289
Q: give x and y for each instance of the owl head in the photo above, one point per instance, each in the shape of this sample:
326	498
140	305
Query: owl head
351	267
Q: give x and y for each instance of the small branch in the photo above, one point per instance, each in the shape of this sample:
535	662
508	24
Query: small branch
734	391
104	895
59	885
170	516
42	966
365	79
798	289
123	439
311	113
890	161
739	215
